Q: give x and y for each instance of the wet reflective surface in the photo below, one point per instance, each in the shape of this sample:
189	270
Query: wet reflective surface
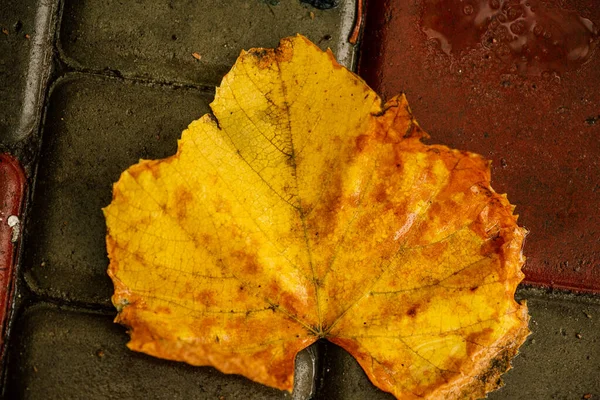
530	37
534	114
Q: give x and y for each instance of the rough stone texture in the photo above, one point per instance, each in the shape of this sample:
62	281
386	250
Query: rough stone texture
95	129
156	39
17	17
554	363
71	355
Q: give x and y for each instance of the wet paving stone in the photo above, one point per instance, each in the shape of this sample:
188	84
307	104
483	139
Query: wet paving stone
16	21
539	129
96	127
60	355
558	361
193	42
560	358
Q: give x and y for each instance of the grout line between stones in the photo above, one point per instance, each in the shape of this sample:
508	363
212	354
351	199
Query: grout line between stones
117	75
535	292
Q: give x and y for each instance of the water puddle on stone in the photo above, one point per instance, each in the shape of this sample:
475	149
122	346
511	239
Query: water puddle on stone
528	37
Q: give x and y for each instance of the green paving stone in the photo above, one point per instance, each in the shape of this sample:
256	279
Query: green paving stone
155	39
96	128
61	355
554	363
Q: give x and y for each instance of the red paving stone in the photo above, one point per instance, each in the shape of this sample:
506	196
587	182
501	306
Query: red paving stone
527	97
12	187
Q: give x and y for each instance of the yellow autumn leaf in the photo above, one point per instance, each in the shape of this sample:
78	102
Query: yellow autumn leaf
306	209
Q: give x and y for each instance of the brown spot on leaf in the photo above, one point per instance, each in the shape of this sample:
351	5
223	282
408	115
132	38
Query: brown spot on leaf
493	246
380	193
361	142
323	217
183	200
247	262
206	297
436	250
412	311
476	340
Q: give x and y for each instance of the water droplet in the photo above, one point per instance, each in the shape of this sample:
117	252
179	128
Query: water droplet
517	27
514	13
538	30
468	9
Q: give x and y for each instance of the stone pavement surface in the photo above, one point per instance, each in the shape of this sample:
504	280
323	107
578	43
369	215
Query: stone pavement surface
124	84
16	21
95	128
66	354
155	39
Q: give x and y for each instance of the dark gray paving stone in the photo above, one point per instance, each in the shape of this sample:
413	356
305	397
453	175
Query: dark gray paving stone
343	378
554	363
156	38
17	17
96	127
69	355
